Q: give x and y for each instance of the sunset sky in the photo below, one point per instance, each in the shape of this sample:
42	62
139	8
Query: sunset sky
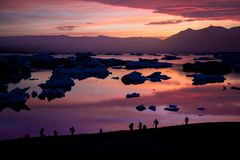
118	18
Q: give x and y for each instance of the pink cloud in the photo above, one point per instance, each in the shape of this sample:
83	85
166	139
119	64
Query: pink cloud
175	21
66	28
205	9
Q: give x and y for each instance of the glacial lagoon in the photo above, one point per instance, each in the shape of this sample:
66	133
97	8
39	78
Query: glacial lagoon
95	103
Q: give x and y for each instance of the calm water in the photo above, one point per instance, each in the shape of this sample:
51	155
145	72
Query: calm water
100	103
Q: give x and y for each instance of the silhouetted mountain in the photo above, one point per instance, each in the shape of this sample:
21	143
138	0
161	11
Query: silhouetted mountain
66	44
210	39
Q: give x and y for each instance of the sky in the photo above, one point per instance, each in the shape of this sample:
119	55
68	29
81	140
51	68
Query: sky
116	18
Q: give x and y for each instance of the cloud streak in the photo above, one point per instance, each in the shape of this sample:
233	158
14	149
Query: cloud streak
205	9
175	21
66	28
113	17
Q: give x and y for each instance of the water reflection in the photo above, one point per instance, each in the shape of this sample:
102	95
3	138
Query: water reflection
101	103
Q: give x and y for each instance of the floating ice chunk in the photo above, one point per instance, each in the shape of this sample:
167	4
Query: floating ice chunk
57	81
141	107
171	57
201	79
201	108
115	78
203	58
147	63
51	94
34	94
133	78
56	87
211	67
15	99
172	107
236	88
133	95
157	77
152	107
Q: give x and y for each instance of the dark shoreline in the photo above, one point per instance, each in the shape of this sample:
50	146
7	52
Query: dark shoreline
204	138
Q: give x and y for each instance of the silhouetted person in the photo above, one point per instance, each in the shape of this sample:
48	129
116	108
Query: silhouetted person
131	126
55	133
27	136
224	88
140	126
155	123
100	131
144	127
42	133
186	120
72	130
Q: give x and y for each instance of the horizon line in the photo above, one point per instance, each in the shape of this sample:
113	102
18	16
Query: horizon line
95	36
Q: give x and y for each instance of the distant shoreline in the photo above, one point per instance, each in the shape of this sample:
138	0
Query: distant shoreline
202	138
210	39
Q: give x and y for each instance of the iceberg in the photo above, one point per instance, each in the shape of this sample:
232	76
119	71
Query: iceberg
133	95
15	99
201	79
152	107
171	57
172	107
201	108
141	107
51	94
147	63
157	77
55	87
211	67
133	78
34	94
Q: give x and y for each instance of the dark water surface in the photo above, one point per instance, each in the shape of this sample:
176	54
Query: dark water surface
101	103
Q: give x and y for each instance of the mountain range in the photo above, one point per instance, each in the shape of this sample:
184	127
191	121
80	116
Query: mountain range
210	39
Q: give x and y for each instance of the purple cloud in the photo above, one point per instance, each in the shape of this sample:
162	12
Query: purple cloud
175	21
204	9
200	9
66	28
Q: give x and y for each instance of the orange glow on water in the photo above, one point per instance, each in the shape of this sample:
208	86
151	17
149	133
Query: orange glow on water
101	103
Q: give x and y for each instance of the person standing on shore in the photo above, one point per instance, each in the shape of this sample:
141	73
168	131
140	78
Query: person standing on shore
55	133
131	126
155	122
186	120
72	130
144	127
140	126
42	133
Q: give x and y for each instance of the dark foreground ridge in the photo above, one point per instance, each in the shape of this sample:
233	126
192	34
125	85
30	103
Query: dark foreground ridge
205	138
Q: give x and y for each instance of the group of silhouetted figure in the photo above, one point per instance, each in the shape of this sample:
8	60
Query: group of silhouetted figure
155	124
55	133
131	127
143	127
